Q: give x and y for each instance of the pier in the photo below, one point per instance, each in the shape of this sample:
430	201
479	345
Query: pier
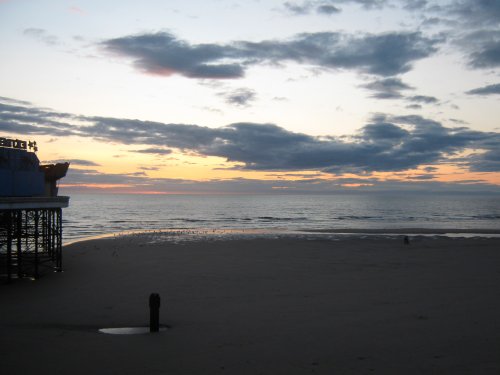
30	212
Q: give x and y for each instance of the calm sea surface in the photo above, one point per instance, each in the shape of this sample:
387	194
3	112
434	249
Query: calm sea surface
91	215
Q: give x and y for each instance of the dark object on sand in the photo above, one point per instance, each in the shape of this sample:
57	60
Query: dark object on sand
406	240
154	312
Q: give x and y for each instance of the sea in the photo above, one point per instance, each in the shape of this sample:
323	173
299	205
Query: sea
91	215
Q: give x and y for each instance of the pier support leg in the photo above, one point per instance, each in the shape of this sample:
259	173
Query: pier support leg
9	247
36	243
18	233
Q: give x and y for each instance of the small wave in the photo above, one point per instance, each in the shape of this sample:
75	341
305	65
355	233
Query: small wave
272	218
357	217
487	217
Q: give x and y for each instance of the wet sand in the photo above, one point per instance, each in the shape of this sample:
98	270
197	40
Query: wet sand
348	305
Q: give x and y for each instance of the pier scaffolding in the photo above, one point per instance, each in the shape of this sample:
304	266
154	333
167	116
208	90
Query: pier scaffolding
30	236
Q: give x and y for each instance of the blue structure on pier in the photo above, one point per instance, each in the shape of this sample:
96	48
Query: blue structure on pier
20	172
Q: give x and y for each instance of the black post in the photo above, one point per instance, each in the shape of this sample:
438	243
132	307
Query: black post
154	312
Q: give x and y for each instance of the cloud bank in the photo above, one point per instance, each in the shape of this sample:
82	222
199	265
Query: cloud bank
330	7
386	143
486	90
83	180
388	88
471	24
240	97
163	54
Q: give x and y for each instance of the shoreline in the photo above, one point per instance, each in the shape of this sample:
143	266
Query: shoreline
202	234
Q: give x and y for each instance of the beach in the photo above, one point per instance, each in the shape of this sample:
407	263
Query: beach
345	304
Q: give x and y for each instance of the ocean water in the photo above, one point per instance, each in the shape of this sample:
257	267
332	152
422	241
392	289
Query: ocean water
93	215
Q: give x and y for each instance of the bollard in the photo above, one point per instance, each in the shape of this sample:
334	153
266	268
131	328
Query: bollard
154	312
406	240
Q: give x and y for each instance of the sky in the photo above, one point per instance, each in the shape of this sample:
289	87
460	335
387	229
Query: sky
254	96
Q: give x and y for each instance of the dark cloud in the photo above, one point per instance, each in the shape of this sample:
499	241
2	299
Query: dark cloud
488	161
457	121
475	28
41	35
480	13
422	177
386	143
432	21
472	25
306	7
388	88
385	54
138	174
295	175
430	169
352	180
484	47
414	106
382	132
34	121
240	97
423	99
327	9
14	101
486	90
298	9
73	162
415	4
459	14
382	54
163	54
86	163
156	151
369	4
89	176
149	168
393	88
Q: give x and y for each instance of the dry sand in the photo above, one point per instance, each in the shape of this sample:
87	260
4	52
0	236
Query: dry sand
365	305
